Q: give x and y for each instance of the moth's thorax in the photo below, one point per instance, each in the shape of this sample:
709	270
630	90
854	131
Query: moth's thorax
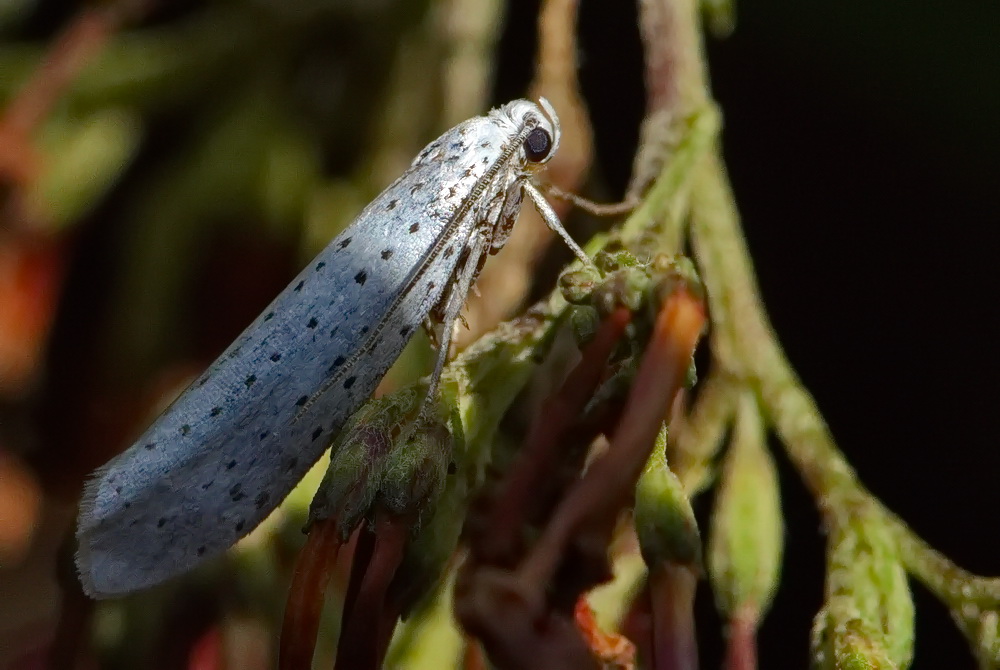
483	140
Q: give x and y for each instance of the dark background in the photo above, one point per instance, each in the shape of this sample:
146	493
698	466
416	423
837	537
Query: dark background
862	141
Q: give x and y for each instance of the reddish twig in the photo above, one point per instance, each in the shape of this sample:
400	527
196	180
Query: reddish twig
31	273
598	497
474	658
612	649
741	645
518	495
489	602
656	24
370	616
313	569
520	603
671	593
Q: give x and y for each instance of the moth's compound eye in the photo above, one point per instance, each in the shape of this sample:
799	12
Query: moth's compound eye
537	145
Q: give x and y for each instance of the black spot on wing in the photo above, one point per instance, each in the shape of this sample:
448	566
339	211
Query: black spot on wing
216	411
361	277
261	499
386	254
320	265
302	401
298	287
316	433
249	381
349	382
414	228
275	357
344	243
312	323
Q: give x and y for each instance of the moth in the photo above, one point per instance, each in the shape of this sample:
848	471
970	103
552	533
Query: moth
229	449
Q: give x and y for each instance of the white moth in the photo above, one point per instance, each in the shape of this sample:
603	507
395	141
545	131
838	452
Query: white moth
234	444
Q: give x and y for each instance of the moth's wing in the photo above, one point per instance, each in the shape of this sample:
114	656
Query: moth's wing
234	444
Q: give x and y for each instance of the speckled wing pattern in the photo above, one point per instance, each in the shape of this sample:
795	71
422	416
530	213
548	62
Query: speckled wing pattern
233	445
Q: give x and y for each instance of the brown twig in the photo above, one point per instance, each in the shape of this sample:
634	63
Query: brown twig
369	615
613	650
675	84
520	603
741	645
671	594
489	602
595	501
313	569
32	265
516	501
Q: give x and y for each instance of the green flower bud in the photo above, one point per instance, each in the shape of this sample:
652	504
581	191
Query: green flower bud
869	609
85	160
577	286
745	547
614	259
359	455
847	645
584	322
664	520
414	472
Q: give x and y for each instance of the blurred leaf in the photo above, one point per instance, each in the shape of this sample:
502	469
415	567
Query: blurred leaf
84	159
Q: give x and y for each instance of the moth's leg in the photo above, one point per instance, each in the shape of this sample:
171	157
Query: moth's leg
595	208
505	214
456	301
431	322
436	316
552	221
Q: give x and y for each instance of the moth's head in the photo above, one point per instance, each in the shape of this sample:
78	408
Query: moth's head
541	130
